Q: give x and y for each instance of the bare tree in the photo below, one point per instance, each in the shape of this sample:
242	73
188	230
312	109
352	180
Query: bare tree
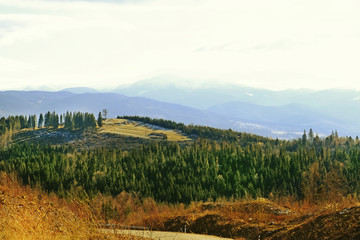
105	112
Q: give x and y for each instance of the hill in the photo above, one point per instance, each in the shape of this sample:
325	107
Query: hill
119	133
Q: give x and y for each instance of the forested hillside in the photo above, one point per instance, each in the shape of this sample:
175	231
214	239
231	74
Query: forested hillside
219	164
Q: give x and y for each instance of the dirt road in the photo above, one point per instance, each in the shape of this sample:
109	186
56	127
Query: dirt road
166	235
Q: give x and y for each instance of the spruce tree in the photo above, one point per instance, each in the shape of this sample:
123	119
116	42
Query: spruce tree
68	121
41	120
100	120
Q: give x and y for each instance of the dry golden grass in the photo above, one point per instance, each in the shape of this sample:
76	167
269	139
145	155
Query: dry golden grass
139	130
29	214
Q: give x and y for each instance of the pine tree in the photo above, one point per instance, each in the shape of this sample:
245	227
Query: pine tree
41	120
33	121
100	120
304	139
47	119
22	122
55	120
311	136
68	122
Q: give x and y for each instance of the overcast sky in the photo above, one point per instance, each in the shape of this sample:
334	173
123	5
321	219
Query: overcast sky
275	44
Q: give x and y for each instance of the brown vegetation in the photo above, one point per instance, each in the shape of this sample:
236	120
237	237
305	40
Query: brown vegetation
241	219
29	214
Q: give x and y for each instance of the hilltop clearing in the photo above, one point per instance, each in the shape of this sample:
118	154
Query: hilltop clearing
119	133
141	130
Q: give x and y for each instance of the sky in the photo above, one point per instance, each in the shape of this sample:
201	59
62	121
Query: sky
276	44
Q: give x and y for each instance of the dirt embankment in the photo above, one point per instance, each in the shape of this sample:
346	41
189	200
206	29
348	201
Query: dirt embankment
343	224
248	220
262	219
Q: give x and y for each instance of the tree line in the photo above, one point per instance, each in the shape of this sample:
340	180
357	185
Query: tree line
205	170
197	131
70	120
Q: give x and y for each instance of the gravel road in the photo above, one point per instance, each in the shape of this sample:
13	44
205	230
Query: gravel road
157	235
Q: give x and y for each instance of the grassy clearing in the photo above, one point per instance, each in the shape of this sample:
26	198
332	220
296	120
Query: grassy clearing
141	130
117	133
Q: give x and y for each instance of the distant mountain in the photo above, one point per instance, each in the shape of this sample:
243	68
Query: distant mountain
170	89
28	102
174	90
269	113
291	117
81	90
19	102
40	88
323	110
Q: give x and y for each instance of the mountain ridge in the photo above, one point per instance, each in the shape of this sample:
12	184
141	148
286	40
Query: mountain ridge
242	108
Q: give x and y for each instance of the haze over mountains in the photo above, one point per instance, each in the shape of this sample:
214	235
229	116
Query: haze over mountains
281	114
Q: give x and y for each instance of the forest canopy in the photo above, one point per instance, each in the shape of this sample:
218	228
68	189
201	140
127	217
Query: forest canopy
219	164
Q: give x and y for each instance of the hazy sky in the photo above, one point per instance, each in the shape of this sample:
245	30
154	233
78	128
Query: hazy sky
273	44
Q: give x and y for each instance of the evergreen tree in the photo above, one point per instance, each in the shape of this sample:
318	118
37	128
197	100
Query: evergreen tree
41	120
68	125
311	136
100	120
22	122
29	123
304	139
47	121
55	120
33	121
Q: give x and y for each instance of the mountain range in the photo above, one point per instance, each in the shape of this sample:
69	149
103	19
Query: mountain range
283	114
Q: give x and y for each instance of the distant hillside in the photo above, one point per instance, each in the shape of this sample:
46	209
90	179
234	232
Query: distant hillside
283	117
283	121
29	102
325	110
171	89
80	90
18	102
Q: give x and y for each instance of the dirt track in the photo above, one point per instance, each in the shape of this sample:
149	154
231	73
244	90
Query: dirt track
166	235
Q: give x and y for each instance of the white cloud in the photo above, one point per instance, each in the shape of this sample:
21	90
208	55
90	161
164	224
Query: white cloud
274	44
